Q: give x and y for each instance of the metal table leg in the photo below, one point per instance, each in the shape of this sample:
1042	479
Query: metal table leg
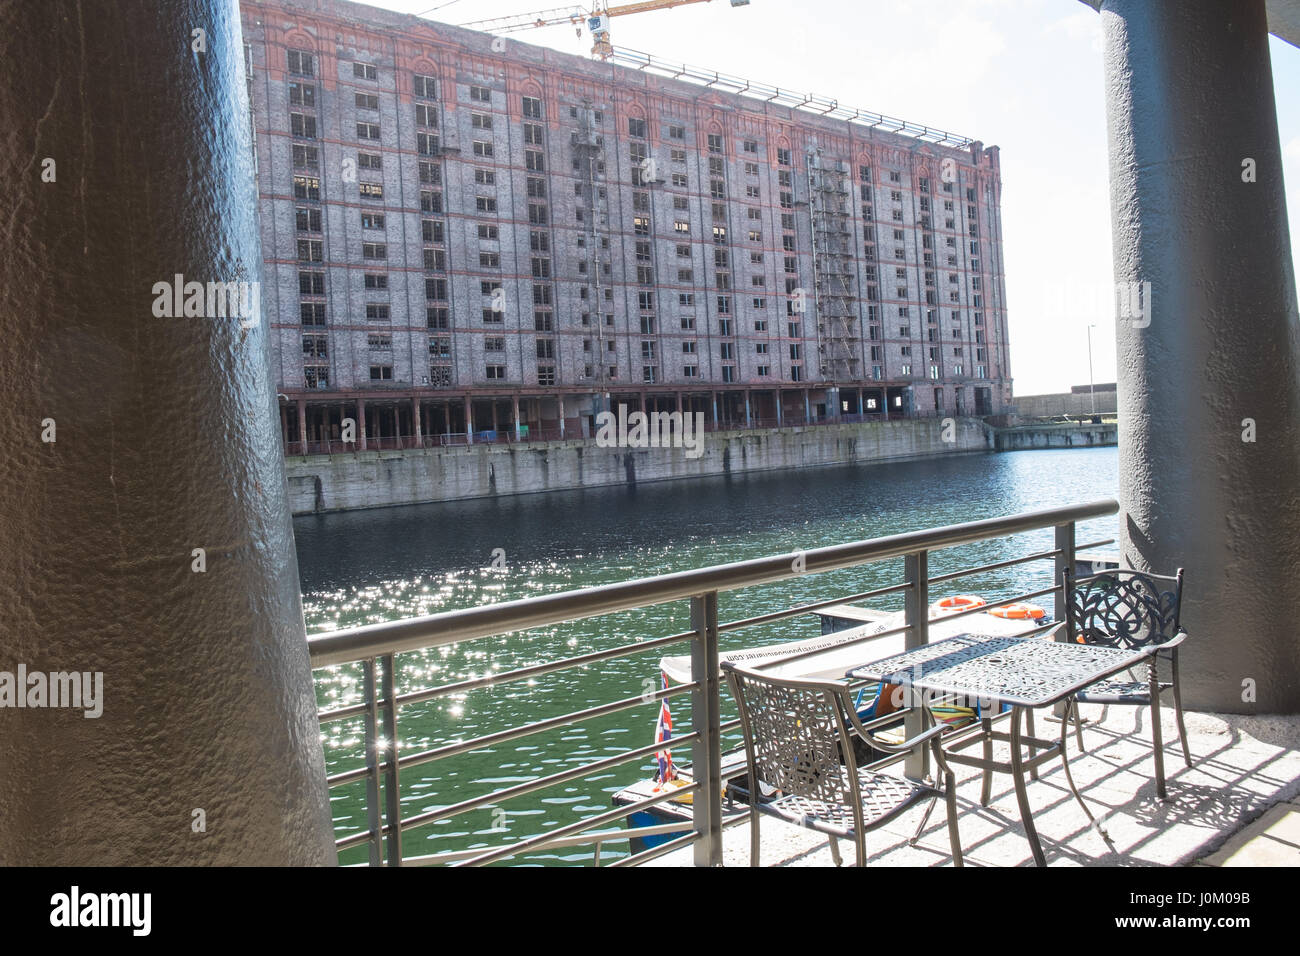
1153	683
1022	798
1069	778
1029	724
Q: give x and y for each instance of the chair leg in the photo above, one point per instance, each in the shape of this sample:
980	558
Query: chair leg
950	798
925	818
835	851
986	789
1078	726
1178	713
1157	740
753	834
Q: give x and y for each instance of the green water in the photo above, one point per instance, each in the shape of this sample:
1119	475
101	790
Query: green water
374	566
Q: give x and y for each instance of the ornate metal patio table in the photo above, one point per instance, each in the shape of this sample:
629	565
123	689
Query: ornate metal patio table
1024	673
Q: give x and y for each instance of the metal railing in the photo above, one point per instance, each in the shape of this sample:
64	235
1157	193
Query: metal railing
375	647
806	102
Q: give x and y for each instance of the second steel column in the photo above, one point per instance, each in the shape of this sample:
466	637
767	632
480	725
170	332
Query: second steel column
1208	339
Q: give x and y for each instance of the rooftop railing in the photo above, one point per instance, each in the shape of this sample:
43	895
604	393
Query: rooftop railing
375	647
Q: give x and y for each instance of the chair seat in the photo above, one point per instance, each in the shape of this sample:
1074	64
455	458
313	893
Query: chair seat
883	797
1119	692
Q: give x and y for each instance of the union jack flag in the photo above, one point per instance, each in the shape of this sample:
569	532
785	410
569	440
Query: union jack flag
664	733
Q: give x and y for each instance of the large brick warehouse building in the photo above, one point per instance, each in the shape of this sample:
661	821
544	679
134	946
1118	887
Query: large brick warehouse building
464	233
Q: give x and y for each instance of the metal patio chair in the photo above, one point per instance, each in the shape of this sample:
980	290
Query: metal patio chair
799	737
1127	609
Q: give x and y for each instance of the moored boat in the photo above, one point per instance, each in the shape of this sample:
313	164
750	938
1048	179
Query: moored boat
827	657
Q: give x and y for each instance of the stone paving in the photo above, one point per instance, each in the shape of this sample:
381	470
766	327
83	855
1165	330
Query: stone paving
1237	806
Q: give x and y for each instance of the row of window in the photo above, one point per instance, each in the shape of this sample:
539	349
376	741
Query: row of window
302	63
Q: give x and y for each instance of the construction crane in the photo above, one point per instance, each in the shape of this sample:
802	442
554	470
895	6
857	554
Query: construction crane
596	20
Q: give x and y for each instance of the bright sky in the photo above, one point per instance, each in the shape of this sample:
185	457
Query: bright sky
1025	75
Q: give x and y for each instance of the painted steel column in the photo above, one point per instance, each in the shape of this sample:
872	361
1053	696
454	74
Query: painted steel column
748	419
469	421
415	417
361	424
807	407
168	571
1209	352
302	424
779	403
714	397
514	403
560	408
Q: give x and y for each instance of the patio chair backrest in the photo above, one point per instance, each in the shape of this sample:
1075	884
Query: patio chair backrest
1125	609
796	736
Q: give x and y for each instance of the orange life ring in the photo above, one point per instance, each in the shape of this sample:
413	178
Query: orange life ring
1019	612
960	602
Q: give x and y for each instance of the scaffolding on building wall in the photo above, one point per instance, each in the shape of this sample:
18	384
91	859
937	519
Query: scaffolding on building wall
589	149
834	268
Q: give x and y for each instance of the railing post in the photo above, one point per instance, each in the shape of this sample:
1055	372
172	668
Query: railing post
706	757
372	761
392	789
1064	559
916	610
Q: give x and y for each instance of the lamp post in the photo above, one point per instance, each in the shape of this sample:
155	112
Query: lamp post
1092	394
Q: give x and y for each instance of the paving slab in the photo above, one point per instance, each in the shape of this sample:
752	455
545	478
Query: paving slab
1241	767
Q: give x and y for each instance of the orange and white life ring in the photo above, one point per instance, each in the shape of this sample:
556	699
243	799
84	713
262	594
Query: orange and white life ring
1019	612
960	602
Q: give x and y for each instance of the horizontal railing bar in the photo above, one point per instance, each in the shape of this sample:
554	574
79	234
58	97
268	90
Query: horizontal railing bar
356	839
449	627
550	723
541	783
658	851
511	733
981	569
600	837
342	713
344	777
519	673
607	836
808	608
1093	544
534	670
618	813
364	836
